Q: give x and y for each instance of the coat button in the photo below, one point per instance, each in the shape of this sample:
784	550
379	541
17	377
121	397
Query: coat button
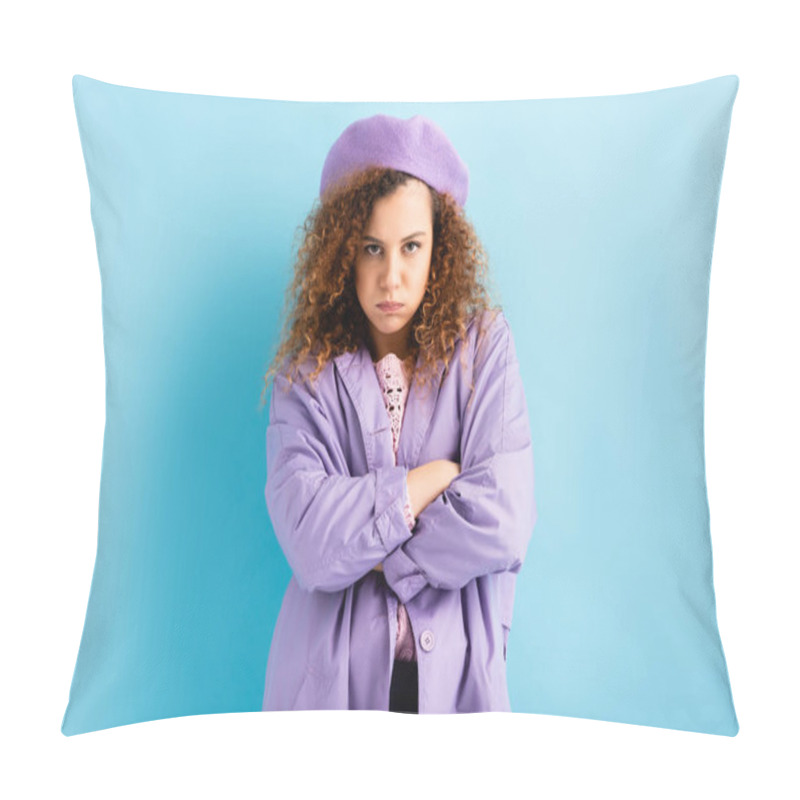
426	641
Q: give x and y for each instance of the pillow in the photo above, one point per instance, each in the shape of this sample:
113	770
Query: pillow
598	215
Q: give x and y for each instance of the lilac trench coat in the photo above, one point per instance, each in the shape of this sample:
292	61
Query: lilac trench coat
335	497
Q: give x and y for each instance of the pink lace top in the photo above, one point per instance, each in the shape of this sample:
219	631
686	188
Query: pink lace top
394	381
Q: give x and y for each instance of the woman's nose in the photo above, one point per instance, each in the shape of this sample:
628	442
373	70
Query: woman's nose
393	268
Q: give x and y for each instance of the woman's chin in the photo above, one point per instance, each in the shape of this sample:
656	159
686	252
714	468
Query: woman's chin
389	324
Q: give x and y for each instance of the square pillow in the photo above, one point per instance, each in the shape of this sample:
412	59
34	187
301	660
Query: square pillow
598	215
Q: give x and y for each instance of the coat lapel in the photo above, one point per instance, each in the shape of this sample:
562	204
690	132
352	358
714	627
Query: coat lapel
361	381
417	416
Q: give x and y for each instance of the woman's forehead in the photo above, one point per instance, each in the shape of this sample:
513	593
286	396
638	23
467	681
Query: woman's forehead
406	203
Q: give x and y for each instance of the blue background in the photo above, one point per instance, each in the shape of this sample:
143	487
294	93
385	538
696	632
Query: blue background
598	215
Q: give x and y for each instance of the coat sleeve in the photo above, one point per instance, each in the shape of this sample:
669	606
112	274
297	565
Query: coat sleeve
333	528
482	522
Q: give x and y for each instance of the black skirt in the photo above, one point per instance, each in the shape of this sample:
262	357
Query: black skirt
404	689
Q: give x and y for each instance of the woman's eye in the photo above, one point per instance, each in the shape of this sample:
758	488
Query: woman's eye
369	251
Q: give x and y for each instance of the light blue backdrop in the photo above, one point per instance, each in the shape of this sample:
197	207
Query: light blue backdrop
598	215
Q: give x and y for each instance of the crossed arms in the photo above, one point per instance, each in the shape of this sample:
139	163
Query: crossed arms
334	528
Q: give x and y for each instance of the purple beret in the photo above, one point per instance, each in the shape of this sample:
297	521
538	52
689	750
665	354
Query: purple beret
416	145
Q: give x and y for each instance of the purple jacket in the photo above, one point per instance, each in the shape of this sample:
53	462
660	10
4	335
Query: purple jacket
335	497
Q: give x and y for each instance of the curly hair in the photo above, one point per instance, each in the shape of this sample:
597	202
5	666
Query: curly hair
322	315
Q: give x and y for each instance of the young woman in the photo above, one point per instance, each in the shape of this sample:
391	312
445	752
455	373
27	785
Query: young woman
400	488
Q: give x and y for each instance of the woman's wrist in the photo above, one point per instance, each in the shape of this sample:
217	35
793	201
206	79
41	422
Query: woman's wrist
424	484
428	481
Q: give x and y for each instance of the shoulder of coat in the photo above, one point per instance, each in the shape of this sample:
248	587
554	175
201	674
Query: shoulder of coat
301	373
487	328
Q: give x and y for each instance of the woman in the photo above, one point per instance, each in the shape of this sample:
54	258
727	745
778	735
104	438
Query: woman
401	491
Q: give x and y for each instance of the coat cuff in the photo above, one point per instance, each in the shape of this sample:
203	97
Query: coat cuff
403	575
407	512
390	498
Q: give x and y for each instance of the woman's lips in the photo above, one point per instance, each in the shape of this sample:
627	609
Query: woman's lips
388	308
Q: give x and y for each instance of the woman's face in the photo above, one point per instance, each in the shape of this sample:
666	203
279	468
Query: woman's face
393	263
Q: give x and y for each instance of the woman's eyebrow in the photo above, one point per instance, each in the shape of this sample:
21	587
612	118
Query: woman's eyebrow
405	238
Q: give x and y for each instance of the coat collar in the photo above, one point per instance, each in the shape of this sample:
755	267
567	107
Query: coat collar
361	381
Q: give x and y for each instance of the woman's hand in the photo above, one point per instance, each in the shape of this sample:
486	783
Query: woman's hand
426	483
